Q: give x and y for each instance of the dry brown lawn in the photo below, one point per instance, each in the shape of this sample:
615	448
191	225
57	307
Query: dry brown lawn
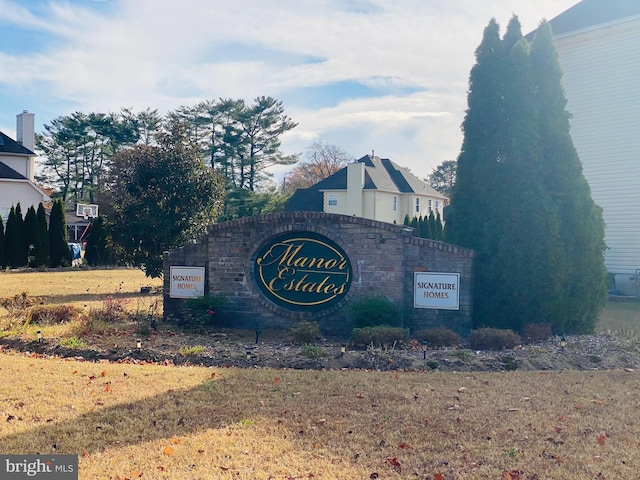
130	421
163	422
77	287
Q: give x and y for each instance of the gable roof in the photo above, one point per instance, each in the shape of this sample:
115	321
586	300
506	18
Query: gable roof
590	13
7	172
9	145
379	174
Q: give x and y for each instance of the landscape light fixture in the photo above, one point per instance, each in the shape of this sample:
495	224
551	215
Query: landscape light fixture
138	343
343	348
424	350
248	355
39	333
563	341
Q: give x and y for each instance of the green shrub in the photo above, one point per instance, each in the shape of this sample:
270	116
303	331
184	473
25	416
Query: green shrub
305	332
195	350
313	351
381	336
53	314
200	314
374	311
72	342
536	332
493	339
437	337
463	354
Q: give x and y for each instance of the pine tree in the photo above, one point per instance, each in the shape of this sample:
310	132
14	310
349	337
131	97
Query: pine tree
3	262
59	253
42	251
31	239
407	220
439	233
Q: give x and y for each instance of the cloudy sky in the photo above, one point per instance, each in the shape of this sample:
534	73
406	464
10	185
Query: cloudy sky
383	75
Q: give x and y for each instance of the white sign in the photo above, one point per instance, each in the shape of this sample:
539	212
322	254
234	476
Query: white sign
436	290
186	282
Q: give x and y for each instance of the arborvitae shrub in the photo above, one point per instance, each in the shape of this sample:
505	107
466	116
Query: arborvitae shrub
305	332
437	337
493	339
374	311
381	336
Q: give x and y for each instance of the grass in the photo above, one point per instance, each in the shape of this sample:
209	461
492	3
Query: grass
129	421
82	288
161	422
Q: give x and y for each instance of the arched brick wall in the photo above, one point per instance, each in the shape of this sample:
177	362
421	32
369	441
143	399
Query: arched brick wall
383	257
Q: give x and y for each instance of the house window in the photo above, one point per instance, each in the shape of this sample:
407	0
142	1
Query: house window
429	203
417	205
437	205
395	204
332	199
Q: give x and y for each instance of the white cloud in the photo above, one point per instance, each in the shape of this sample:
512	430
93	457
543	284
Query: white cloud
163	54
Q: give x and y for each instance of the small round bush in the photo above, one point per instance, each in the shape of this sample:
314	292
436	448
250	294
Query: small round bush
437	337
374	311
493	339
305	332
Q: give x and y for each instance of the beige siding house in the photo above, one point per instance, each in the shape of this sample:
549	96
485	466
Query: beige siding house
599	50
371	187
17	169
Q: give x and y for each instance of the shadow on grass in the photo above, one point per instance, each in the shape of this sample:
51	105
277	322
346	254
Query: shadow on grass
172	414
97	297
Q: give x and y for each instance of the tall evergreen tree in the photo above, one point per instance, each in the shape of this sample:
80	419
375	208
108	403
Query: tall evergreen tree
581	226
59	253
3	262
14	245
31	239
42	251
97	251
503	207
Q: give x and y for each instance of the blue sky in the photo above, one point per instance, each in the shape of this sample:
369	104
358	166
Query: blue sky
383	75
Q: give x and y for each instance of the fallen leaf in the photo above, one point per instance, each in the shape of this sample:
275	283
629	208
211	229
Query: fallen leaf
168	450
578	406
276	380
108	387
104	373
602	438
396	464
596	402
438	476
175	440
404	445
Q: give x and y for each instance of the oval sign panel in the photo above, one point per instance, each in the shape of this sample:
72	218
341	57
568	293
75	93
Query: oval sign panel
302	271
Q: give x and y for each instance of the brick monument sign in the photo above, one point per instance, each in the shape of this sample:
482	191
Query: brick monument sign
277	269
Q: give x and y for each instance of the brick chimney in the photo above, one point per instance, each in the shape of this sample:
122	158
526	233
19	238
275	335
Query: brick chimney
25	132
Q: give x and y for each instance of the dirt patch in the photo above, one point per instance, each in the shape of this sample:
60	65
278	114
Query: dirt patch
239	349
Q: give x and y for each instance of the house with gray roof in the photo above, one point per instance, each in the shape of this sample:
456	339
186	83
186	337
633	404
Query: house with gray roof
598	43
371	187
17	161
